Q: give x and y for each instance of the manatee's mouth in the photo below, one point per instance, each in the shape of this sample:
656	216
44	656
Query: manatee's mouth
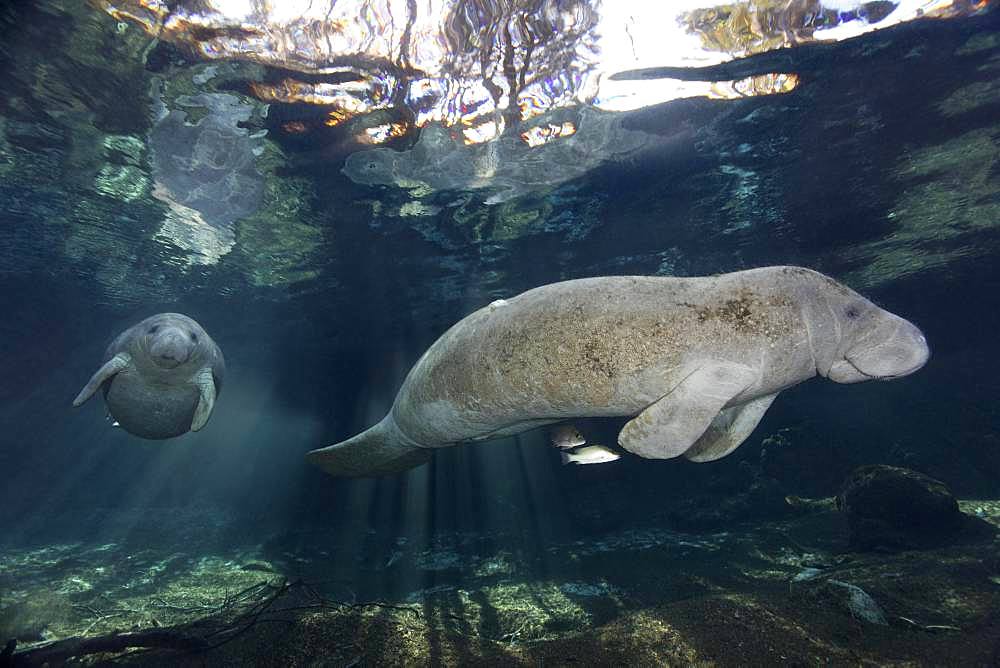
846	371
896	354
167	362
887	376
869	376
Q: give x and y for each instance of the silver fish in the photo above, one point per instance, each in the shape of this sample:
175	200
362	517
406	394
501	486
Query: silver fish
592	454
566	436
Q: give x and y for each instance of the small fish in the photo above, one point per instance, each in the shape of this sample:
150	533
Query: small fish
592	454
567	436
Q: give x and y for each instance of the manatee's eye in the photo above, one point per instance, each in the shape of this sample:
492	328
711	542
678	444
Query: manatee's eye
194	337
154	329
852	312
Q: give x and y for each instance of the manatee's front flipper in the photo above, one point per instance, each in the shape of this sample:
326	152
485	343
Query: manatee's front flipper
206	388
674	422
110	368
729	428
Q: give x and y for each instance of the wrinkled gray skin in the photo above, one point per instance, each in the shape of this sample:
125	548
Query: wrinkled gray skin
697	361
160	378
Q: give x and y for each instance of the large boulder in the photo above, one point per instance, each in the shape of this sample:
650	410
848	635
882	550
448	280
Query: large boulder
896	508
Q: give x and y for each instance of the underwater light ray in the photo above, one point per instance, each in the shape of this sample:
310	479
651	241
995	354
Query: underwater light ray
61	492
157	473
372	555
538	484
470	485
428	522
358	502
413	513
252	442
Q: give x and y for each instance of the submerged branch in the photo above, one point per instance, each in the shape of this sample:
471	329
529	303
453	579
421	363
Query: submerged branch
58	651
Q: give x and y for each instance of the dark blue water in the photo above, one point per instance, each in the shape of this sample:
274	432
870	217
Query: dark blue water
880	169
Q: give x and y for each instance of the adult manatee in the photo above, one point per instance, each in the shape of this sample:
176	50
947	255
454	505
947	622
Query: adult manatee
697	361
160	377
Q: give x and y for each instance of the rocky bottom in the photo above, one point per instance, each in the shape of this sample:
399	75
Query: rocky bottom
759	594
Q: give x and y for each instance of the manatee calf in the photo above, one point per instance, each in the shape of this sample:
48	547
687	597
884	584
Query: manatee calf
160	377
697	361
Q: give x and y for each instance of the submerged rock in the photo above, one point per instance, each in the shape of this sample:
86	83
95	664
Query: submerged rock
897	508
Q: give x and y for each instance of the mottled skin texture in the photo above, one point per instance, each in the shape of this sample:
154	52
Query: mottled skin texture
160	377
580	349
697	360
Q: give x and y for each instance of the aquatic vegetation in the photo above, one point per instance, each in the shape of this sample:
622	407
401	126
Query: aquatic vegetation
124	182
586	589
279	243
950	197
97	589
504	563
123	175
417	208
40	617
971	97
979	43
610	613
519	612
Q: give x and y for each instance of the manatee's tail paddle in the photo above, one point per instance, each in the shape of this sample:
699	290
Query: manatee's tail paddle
381	450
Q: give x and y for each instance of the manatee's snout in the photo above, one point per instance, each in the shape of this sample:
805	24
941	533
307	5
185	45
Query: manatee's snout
905	352
896	348
170	347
